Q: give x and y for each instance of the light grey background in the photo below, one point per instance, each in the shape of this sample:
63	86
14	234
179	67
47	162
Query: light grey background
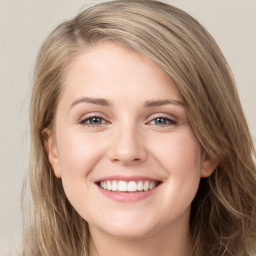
23	26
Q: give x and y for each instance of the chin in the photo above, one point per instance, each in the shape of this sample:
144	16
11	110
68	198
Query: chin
131	233
128	228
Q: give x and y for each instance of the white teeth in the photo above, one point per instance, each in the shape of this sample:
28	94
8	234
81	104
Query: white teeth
124	186
132	186
146	186
109	186
114	186
140	186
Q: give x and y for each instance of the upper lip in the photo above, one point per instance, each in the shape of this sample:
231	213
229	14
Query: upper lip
127	178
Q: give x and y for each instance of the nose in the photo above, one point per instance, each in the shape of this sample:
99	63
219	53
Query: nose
126	146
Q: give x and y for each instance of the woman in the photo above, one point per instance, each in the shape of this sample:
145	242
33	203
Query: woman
139	143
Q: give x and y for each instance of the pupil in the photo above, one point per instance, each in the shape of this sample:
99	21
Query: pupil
95	120
160	120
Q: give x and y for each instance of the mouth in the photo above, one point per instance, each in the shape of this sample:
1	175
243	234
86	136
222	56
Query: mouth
128	189
128	186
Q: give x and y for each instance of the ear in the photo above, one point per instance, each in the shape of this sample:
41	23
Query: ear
51	149
208	165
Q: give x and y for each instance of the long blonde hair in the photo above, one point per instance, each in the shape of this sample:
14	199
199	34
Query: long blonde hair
223	214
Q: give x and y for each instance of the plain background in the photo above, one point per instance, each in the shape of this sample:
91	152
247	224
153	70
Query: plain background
25	24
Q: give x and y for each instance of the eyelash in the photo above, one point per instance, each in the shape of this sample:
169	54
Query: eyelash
101	121
168	121
87	121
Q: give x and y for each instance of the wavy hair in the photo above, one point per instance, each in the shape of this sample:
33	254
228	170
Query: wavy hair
223	213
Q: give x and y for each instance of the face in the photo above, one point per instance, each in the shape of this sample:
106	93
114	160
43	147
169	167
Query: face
123	146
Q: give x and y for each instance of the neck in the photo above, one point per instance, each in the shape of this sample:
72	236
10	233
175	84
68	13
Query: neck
164	243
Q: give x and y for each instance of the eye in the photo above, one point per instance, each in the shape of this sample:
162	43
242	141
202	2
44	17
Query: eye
162	121
93	121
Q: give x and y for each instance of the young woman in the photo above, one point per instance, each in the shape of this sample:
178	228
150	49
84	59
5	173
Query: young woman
139	143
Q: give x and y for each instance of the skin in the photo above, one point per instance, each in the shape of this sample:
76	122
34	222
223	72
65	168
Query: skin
130	138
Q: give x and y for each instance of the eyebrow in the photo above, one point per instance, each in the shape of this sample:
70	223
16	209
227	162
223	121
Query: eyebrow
106	103
158	103
96	101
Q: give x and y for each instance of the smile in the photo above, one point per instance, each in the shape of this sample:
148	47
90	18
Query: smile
128	186
127	189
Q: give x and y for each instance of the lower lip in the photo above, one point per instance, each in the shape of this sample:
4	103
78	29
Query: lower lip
128	196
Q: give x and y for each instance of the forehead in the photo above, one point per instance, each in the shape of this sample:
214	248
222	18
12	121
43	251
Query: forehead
110	67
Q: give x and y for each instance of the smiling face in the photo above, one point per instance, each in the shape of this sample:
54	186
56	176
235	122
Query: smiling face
129	161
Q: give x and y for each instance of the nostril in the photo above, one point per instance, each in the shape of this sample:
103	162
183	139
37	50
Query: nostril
127	150
126	161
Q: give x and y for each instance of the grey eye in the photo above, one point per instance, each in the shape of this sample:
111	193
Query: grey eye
95	120
162	121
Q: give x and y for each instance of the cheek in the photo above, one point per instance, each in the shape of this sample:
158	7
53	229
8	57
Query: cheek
181	160
78	156
180	154
77	152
